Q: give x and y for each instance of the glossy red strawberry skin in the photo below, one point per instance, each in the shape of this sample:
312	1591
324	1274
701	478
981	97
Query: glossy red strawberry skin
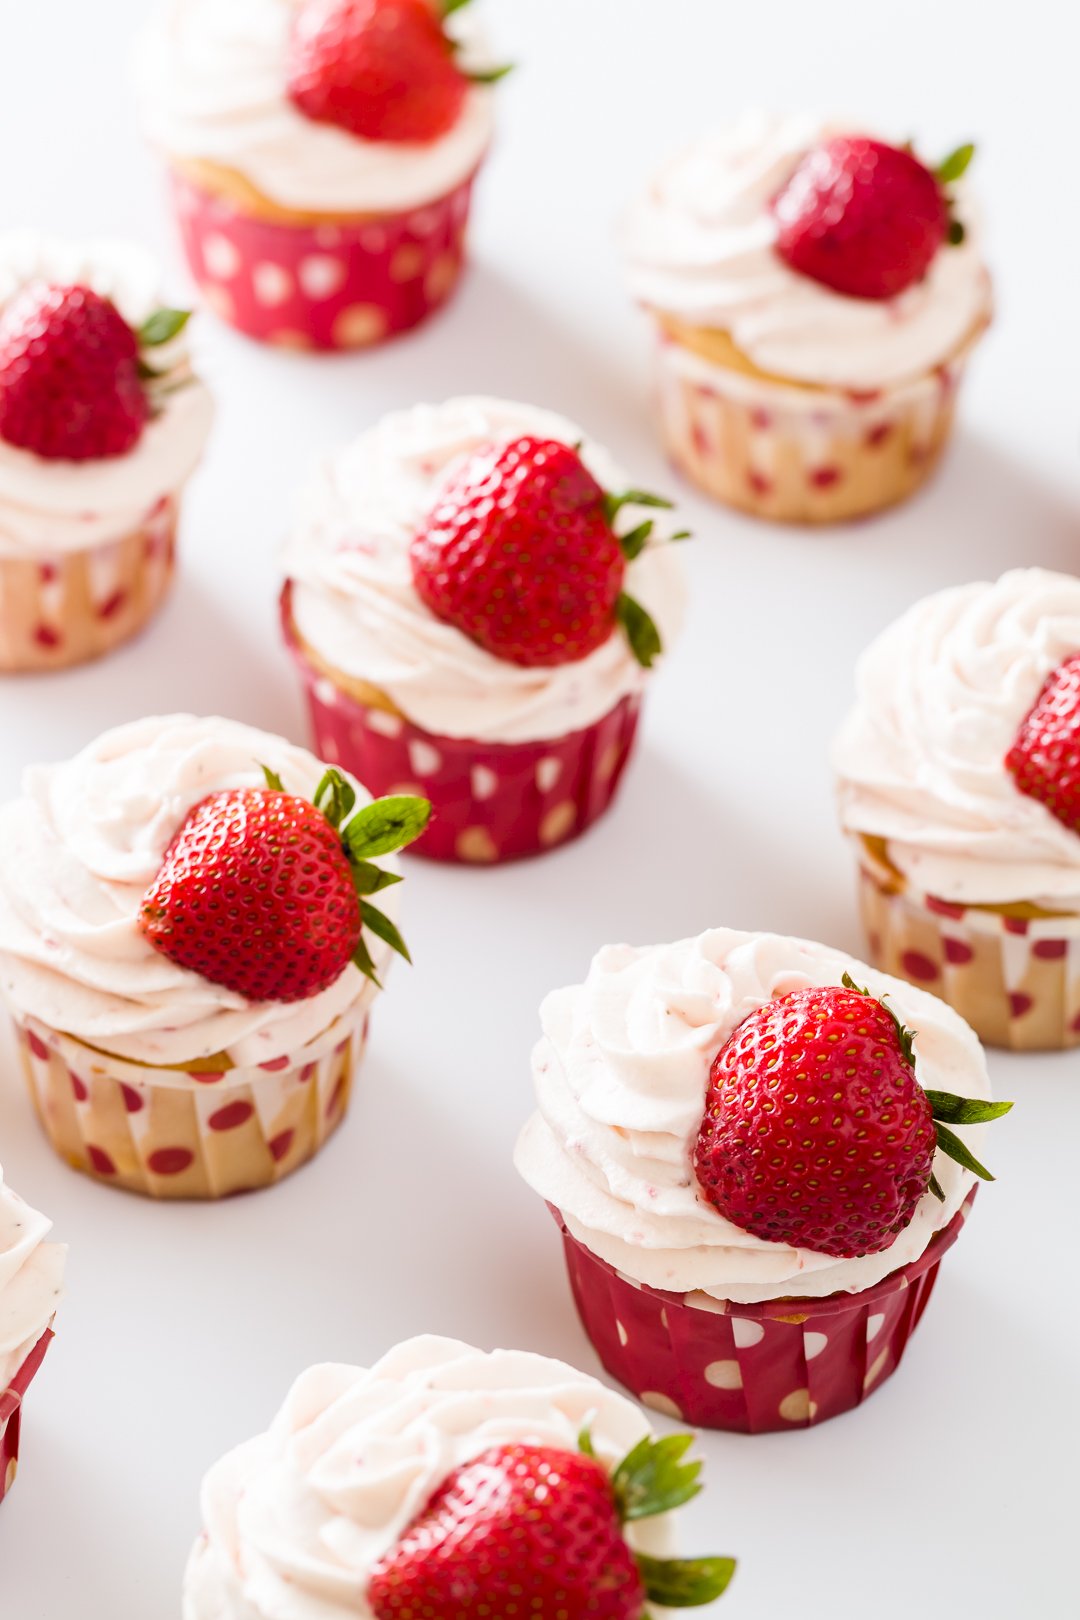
861	217
522	1529
256	893
816	1132
519	555
381	69
70	388
1044	760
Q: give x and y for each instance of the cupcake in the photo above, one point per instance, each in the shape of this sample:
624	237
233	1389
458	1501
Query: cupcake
752	1229
445	1482
322	155
816	294
101	424
191	1002
958	790
31	1281
474	599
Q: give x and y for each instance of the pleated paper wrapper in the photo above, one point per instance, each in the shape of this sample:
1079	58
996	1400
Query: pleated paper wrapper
784	1364
198	1133
321	284
11	1407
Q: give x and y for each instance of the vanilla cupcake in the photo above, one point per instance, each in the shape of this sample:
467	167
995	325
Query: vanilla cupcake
816	295
475	598
956	789
31	1282
752	1234
447	1481
192	1005
315	210
101	424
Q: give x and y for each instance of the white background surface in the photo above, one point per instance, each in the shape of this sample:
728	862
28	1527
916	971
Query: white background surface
953	1492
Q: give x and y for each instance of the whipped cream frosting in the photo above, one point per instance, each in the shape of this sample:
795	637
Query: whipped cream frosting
941	695
295	1520
700	245
212	77
31	1280
621	1078
78	852
354	602
49	507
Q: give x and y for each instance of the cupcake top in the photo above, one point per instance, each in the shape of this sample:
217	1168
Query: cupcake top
78	853
213	77
921	759
355	604
31	1280
50	505
701	245
296	1520
622	1077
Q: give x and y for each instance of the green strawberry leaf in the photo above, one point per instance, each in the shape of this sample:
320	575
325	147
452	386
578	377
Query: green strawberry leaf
613	504
369	879
383	928
685	1583
584	1442
634	543
162	326
957	233
641	632
362	959
680	534
490	75
965	1110
450	6
273	780
952	1145
956	164
335	797
386	825
653	1478
936	1188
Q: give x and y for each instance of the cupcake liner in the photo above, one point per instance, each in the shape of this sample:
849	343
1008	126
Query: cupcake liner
64	609
492	801
11	1403
1014	978
333	284
784	1364
198	1133
801	455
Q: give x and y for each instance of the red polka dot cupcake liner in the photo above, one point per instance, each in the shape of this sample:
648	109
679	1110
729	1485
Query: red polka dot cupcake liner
198	1133
338	284
65	609
11	1405
784	1364
1015	978
492	802
801	455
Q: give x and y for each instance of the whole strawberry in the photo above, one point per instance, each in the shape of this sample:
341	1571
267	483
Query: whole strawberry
266	893
381	69
520	554
816	1131
73	384
1044	760
532	1530
865	218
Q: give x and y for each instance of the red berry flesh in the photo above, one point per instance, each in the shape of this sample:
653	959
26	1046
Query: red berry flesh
1044	760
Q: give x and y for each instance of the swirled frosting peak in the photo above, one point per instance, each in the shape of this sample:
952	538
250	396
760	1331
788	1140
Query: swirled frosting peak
295	1520
921	757
354	600
212	77
78	852
621	1077
700	245
31	1279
